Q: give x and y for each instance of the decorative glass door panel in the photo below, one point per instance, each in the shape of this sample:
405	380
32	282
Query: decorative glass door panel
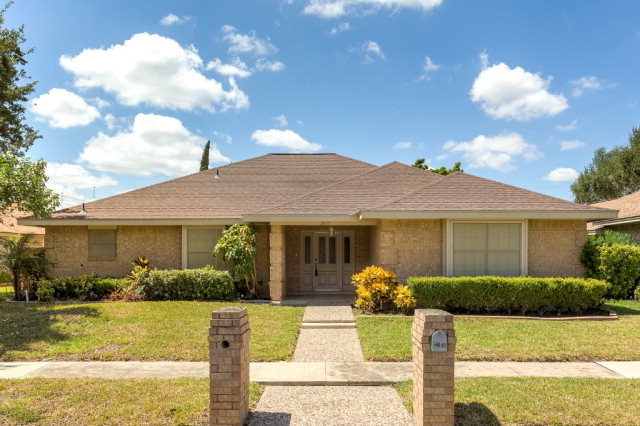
324	263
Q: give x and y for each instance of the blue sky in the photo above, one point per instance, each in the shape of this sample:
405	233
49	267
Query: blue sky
521	92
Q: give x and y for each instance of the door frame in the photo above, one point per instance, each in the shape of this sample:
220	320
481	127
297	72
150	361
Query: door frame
308	280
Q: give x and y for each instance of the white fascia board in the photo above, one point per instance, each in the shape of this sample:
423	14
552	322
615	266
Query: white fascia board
125	222
622	221
489	214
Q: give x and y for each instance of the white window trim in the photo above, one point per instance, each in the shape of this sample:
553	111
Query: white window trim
185	252
524	238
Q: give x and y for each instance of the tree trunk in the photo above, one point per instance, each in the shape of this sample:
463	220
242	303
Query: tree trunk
17	294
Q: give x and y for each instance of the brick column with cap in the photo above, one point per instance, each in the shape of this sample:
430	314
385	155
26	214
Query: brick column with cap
229	366
434	341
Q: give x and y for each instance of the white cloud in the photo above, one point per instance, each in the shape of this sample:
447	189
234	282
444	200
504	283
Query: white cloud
63	109
513	93
340	28
567	145
402	145
282	120
567	127
247	43
372	52
263	64
67	179
427	67
99	102
236	68
588	82
219	136
172	19
495	152
562	174
153	70
484	59
153	144
287	139
337	8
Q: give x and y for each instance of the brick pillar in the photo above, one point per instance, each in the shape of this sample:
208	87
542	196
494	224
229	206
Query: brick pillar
277	278
229	366
434	341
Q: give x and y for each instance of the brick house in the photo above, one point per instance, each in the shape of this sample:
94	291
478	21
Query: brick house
322	217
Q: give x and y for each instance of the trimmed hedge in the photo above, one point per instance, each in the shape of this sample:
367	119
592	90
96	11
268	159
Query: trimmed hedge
85	287
506	294
619	265
188	284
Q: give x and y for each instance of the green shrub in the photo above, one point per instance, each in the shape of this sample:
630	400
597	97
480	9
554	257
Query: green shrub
590	251
636	294
507	294
5	276
188	284
619	265
85	287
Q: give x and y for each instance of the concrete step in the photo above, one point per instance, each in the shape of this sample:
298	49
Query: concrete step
328	321
328	325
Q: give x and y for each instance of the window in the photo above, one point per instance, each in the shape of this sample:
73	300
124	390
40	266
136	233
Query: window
347	250
200	244
486	249
102	244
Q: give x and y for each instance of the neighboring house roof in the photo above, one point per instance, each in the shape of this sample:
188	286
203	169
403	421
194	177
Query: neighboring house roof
9	225
322	187
628	211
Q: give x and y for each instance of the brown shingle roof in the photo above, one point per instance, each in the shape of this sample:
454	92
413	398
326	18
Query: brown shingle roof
244	186
317	184
627	206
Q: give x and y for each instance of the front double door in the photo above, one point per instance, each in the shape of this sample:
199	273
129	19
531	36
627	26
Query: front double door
326	261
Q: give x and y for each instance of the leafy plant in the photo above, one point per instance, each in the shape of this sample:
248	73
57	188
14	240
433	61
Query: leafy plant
238	244
187	284
378	290
619	265
24	263
506	294
84	287
421	164
590	251
140	265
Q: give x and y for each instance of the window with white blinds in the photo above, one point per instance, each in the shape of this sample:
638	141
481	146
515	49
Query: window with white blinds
486	249
200	245
102	244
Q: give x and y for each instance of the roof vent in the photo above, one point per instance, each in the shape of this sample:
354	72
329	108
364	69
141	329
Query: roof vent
83	211
217	176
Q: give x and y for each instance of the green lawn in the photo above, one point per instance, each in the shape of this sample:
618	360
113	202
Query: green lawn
536	400
6	291
108	401
135	331
387	338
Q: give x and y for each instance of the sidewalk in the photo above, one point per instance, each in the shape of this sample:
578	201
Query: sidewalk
315	373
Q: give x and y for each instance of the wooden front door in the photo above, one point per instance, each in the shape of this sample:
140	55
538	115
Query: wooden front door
324	264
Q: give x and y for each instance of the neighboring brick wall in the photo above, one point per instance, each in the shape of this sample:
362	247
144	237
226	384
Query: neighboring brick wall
409	247
262	258
554	247
67	247
361	251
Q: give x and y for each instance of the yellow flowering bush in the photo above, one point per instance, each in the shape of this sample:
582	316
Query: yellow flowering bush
378	290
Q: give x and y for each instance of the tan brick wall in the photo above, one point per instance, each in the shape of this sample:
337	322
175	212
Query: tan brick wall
554	247
67	247
409	247
361	251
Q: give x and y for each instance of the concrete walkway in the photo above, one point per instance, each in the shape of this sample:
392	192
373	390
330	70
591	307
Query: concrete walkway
315	373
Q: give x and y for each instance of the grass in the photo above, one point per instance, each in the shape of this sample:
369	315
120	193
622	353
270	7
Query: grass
537	400
387	338
167	331
108	401
6	291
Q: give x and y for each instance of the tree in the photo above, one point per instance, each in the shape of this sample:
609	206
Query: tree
420	164
21	261
22	182
204	161
238	244
611	174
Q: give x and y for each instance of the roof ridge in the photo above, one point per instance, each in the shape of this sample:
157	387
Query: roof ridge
322	188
